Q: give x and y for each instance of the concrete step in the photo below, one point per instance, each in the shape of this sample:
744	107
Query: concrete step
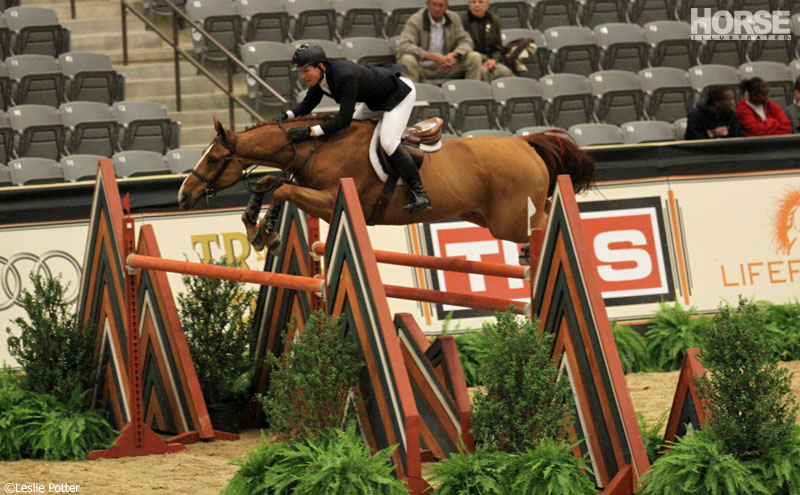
138	55
189	86
86	26
153	70
85	9
113	41
194	102
199	118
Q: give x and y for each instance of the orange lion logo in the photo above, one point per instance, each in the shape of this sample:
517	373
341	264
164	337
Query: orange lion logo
786	222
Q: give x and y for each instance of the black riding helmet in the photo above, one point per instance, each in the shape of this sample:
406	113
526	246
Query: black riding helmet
308	54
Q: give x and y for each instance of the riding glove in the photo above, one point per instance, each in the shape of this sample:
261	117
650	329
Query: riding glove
283	117
299	134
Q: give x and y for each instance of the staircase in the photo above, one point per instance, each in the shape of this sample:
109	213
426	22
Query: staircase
150	73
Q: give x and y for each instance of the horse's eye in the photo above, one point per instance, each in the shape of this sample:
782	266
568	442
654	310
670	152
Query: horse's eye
212	160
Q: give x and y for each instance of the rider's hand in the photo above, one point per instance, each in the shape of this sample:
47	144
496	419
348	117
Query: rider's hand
299	134
283	117
490	64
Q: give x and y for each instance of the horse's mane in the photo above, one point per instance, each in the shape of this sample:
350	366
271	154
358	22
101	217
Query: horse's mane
562	156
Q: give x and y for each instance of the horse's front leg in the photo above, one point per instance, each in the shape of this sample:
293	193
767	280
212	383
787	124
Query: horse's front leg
250	215
314	202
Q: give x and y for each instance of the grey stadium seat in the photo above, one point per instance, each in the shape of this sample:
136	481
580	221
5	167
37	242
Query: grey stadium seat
5	176
487	133
437	105
91	127
36	79
550	13
668	93
6	138
5	87
144	125
596	12
473	104
332	48
779	77
135	163
647	131
5	36
561	132
265	20
670	44
596	134
644	11
685	6
80	167
703	76
537	64
272	62
35	30
520	101
29	171
459	6
359	18
618	96
726	52
312	19
572	49
183	160
367	50
159	7
90	77
512	13
794	67
397	13
221	20
37	131
567	99
680	128
622	46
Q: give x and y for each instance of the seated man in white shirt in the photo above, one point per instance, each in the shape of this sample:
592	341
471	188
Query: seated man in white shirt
434	45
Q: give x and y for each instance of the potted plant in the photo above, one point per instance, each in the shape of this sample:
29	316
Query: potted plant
215	315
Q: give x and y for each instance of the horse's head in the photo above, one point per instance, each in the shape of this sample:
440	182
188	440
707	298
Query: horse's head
219	167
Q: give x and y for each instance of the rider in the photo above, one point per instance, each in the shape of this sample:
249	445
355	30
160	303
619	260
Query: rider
383	93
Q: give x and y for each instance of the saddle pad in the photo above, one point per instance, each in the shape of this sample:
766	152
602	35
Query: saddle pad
373	152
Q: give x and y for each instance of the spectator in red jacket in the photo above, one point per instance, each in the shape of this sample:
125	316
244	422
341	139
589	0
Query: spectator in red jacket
758	115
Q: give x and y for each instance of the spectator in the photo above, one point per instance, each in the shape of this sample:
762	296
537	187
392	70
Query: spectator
484	29
758	115
713	117
793	110
434	45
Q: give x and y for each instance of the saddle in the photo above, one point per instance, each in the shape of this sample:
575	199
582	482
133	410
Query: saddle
424	136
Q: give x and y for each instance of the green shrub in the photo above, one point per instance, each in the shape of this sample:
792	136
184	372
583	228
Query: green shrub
309	384
749	396
699	464
524	400
671	332
336	462
632	348
651	434
478	473
214	314
55	350
782	324
551	468
471	352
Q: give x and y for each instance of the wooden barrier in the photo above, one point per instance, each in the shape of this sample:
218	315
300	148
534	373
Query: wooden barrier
687	406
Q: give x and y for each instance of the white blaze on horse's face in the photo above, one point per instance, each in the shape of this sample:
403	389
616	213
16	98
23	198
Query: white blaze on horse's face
183	200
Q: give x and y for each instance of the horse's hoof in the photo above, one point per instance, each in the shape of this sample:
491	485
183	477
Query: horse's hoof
259	239
274	243
525	255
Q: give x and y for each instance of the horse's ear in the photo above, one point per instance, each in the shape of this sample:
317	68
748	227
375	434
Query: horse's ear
220	128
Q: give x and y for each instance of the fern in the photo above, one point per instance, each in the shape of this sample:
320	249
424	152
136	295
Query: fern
651	434
782	327
478	473
780	468
632	348
471	352
551	468
672	331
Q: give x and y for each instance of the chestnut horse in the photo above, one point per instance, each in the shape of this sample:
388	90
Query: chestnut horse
486	181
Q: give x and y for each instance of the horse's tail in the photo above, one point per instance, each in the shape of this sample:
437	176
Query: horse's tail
563	156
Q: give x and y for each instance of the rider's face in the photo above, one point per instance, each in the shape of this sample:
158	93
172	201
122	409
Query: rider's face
311	75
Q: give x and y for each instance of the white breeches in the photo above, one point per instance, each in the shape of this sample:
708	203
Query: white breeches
391	124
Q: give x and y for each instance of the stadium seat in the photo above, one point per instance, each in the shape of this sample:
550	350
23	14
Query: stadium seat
135	163
29	171
596	134
596	12
272	62
436	106
5	37
38	131
264	20
644	11
622	46
91	128
647	131
572	49
359	18
6	138
513	13
794	67
774	50
618	96
536	64
458	6
80	167
703	76
332	48
5	176
534	129
397	13
446	136
680	128
486	133
183	160
755	5
684	7
519	100
779	77
35	79
312	19
668	93
670	44
159	7
90	77
724	52
567	99
35	30
367	50
221	20
472	103
5	87
144	125
551	13
326	105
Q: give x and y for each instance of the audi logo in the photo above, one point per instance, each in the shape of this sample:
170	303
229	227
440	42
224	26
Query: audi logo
11	274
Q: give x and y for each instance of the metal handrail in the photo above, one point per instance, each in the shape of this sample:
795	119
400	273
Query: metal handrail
72	8
232	59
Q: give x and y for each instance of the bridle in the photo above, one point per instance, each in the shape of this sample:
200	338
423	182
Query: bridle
287	174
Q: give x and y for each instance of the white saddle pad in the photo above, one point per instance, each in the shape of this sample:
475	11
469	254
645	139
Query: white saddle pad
373	152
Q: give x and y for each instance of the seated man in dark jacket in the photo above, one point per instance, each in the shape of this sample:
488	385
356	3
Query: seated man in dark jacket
713	117
484	29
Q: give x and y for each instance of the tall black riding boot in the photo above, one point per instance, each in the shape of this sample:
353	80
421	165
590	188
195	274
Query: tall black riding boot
404	164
